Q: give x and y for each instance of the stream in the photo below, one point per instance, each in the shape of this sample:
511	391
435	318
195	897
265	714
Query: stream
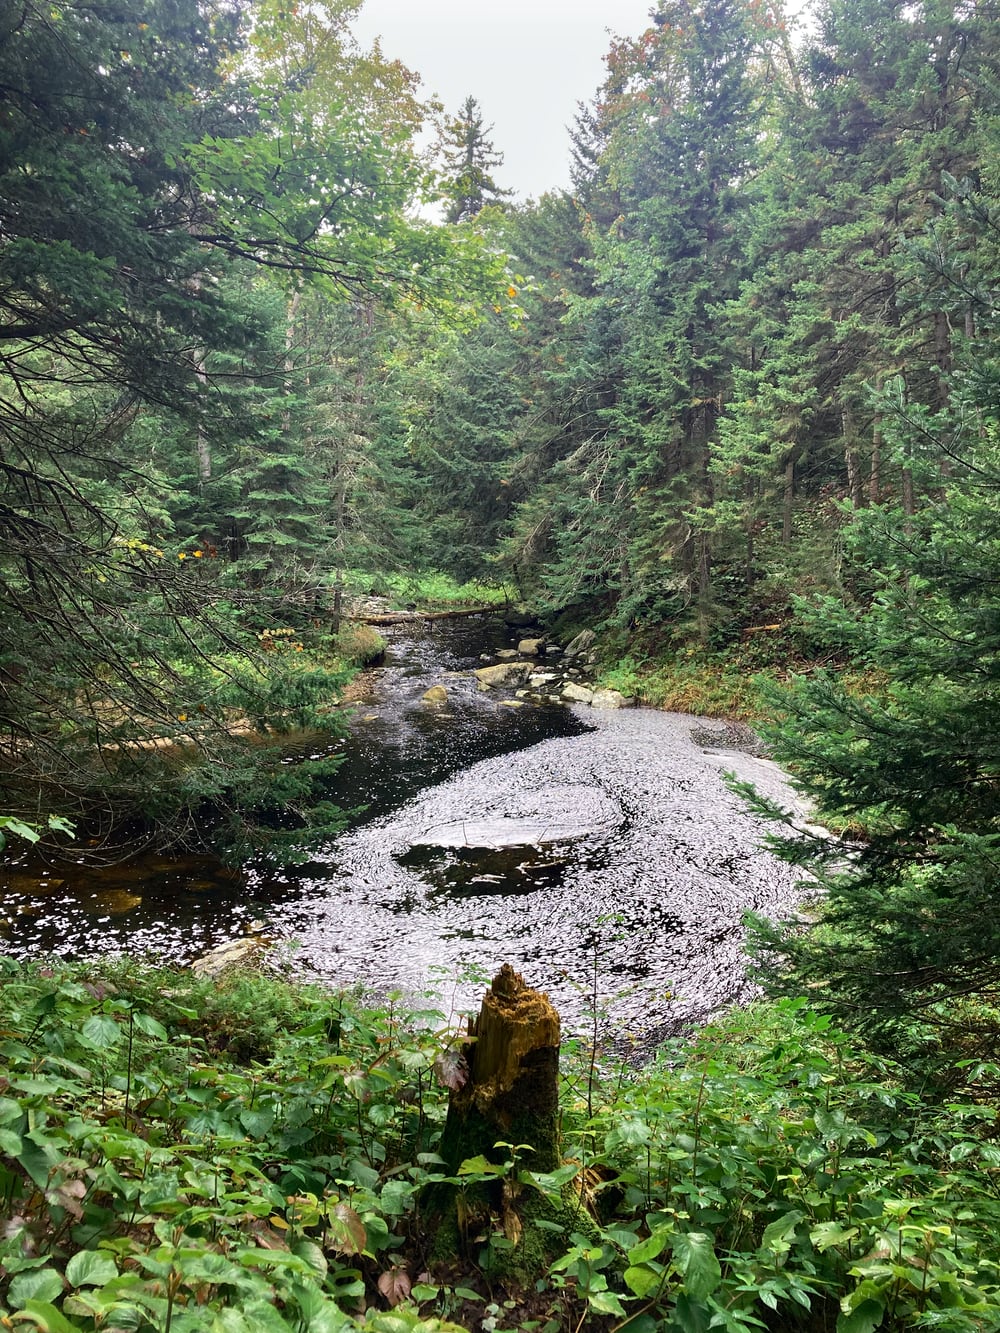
598	851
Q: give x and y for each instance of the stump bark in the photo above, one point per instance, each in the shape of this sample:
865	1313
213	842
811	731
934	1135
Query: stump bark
512	1093
511	1097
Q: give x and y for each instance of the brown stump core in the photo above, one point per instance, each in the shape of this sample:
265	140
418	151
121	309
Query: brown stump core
512	1094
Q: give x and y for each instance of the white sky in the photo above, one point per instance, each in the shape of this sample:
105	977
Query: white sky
527	62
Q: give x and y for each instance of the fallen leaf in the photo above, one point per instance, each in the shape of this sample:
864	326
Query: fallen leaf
452	1069
347	1231
395	1285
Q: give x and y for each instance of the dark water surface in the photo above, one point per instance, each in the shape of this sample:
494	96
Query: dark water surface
575	843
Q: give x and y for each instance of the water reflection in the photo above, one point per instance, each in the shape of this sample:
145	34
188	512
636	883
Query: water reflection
178	907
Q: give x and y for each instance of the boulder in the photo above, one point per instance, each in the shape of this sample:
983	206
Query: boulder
531	647
577	693
582	643
229	957
506	654
504	673
435	696
542	678
611	699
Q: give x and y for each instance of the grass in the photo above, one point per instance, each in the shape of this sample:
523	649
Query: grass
693	682
440	592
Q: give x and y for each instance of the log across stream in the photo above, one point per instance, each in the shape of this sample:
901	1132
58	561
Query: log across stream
600	853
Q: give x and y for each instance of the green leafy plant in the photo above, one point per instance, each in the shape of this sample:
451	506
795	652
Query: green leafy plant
157	1174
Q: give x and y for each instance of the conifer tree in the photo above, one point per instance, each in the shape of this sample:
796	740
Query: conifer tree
907	915
469	159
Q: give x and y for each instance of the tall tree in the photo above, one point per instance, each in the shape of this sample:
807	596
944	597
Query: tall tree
906	920
139	177
469	159
675	143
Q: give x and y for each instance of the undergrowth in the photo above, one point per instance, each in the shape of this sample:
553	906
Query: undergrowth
431	591
156	1175
742	682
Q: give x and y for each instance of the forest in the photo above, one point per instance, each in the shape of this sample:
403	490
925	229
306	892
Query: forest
272	338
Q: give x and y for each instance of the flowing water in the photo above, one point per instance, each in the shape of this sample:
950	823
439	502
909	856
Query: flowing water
600	852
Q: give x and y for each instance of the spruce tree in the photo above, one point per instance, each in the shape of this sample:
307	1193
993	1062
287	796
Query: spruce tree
469	160
910	769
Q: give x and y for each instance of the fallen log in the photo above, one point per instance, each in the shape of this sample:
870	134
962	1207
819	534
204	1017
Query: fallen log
404	617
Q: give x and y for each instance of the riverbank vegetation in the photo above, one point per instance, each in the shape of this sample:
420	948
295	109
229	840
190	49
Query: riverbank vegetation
732	373
734	402
183	1154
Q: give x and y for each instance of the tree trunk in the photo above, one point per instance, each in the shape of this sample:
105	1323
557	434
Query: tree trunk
875	475
788	501
854	485
202	449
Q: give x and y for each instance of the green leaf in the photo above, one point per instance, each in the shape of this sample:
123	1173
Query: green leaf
313	1255
10	1143
257	1123
864	1319
102	1032
605	1302
38	1156
48	1318
479	1166
642	1280
42	1284
826	1234
90	1268
778	1235
694	1254
693	1316
627	1134
151	1026
19	828
653	1246
9	1110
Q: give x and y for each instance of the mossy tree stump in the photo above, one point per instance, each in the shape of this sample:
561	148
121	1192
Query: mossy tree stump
511	1097
512	1091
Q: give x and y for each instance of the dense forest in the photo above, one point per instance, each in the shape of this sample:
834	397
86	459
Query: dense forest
732	401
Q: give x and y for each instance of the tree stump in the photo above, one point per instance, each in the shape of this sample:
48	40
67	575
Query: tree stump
512	1092
511	1097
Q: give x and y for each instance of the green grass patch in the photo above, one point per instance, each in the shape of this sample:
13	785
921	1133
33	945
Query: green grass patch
440	592
689	683
358	645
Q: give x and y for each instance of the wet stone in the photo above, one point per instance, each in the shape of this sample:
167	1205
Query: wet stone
531	647
113	902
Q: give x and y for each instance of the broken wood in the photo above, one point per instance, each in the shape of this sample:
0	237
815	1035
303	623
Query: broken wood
512	1093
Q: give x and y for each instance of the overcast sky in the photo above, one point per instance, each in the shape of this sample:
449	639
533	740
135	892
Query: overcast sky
527	62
